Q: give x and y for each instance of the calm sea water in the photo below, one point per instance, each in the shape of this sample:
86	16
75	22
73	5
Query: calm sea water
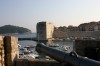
29	42
25	43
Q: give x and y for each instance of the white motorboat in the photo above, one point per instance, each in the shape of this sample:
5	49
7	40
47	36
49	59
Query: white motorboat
19	45
65	48
28	56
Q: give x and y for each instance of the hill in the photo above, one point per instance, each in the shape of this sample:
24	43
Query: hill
13	29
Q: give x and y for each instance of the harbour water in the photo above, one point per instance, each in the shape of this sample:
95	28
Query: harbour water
29	42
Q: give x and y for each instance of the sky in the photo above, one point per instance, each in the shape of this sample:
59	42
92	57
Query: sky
27	13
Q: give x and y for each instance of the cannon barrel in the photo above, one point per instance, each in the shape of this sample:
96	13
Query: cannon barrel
70	58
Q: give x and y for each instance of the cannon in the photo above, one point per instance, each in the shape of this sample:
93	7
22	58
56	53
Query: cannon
71	58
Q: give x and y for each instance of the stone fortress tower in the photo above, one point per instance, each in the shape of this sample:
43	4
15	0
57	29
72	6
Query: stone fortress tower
45	31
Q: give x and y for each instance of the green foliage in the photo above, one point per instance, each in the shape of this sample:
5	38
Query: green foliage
13	29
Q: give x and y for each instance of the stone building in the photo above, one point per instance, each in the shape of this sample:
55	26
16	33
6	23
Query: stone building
44	30
60	33
88	26
72	28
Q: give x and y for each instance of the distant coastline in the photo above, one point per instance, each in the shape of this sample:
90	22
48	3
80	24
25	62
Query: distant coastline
11	29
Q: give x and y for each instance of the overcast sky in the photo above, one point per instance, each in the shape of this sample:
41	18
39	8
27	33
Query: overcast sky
26	13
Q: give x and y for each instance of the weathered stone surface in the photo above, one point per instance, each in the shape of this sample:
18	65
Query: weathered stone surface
1	41
19	62
90	48
8	50
37	62
11	51
1	51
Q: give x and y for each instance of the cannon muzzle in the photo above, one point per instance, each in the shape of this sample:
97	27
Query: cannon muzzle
70	58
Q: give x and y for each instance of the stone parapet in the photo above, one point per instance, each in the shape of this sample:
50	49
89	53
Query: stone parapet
37	62
88	48
8	50
2	51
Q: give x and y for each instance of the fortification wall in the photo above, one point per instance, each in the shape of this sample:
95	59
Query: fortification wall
88	48
63	34
8	50
83	33
37	62
2	61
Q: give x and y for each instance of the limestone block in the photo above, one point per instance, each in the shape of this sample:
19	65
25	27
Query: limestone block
0	64
1	51
0	61
12	52
81	47
10	59
19	62
25	62
1	41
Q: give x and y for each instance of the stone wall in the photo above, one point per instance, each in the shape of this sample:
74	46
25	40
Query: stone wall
69	34
83	33
59	34
88	48
8	50
37	62
2	61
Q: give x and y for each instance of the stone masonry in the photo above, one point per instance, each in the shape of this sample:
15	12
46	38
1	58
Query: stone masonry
8	50
1	51
88	48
